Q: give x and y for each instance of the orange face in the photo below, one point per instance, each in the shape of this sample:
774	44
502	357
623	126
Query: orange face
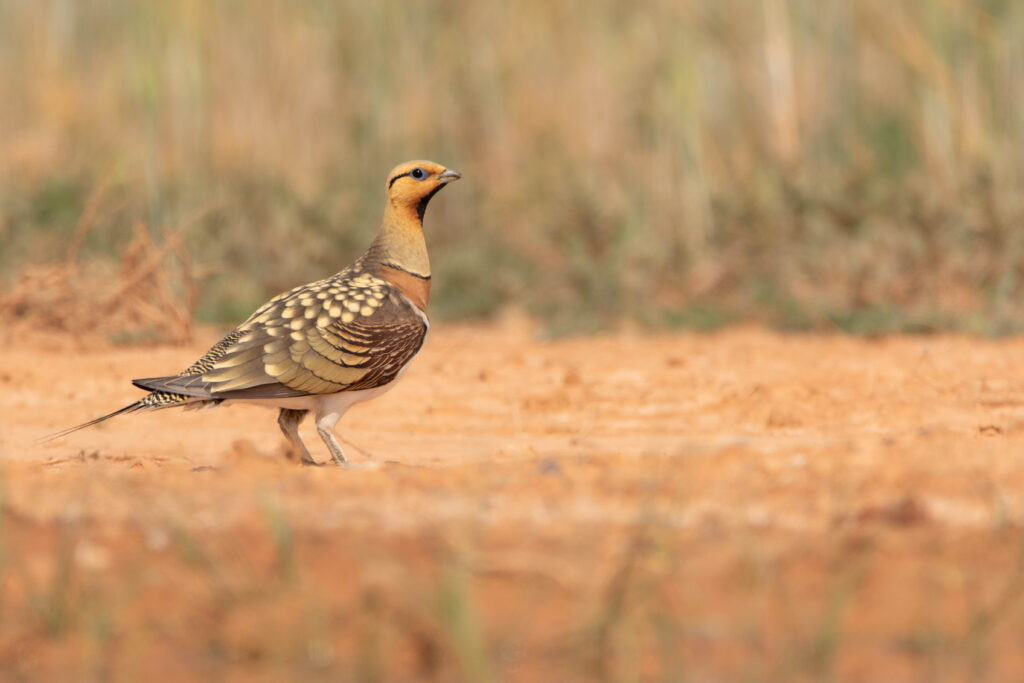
415	182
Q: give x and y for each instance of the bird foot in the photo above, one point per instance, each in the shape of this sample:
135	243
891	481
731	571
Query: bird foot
347	465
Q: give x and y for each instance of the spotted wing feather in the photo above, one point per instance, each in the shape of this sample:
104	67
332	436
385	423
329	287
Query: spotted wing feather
353	331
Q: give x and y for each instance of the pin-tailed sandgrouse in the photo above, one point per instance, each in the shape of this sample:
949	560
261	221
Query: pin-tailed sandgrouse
328	345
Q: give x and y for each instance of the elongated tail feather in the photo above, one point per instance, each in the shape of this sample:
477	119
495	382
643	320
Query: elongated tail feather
138	405
153	401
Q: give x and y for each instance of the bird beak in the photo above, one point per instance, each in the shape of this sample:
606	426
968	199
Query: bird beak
448	175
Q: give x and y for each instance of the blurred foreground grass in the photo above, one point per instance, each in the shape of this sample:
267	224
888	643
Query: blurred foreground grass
810	164
268	599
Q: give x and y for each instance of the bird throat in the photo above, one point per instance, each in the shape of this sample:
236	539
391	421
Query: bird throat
399	255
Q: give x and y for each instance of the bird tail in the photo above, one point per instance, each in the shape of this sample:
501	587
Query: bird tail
138	405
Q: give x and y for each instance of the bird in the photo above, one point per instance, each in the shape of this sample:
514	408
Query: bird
322	347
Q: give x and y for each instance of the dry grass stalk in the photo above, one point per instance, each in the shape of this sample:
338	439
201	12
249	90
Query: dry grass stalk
153	295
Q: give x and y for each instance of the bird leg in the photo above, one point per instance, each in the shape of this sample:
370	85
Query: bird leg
334	447
289	421
325	426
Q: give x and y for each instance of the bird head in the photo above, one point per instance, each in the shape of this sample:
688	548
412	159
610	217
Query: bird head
412	184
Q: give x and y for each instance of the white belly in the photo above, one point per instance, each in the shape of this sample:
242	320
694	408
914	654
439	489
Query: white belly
327	409
320	404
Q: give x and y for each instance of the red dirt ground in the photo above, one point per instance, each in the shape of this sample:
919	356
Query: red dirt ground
741	504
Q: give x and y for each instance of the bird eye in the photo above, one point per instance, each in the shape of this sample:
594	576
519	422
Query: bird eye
418	174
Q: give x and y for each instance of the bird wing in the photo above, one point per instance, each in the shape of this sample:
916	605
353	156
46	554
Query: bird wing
349	332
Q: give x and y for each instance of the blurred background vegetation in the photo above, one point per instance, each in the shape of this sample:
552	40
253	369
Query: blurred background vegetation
822	164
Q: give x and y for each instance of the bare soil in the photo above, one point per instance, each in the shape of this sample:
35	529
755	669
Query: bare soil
742	504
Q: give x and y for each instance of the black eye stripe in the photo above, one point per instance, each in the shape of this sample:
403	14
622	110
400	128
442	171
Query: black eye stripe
416	174
392	181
